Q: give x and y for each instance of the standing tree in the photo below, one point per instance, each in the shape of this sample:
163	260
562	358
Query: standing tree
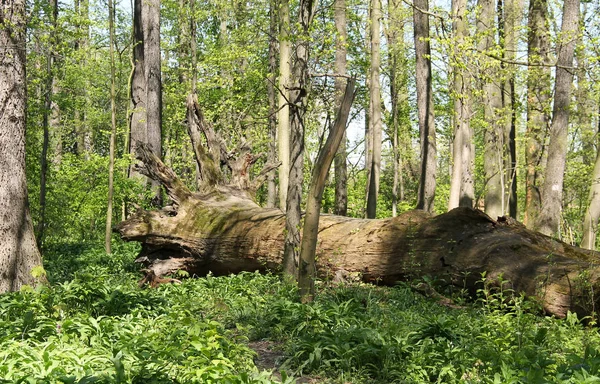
113	130
298	99
493	163
152	70
271	186
375	123
462	190
137	119
18	251
509	16
548	221
310	231
590	222
426	194
49	106
283	116
341	168
146	86
538	104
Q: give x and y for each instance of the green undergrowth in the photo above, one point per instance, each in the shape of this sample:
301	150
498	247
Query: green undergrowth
94	325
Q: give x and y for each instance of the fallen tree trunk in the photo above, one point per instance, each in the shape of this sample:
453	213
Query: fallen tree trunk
224	232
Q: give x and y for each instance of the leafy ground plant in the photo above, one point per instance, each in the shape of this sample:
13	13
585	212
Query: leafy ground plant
93	324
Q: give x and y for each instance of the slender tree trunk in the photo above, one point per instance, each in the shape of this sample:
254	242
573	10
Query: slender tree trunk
510	12
538	105
18	251
271	186
592	214
341	171
151	25
462	182
298	99
548	221
392	37
310	231
113	131
48	108
283	116
492	104
137	129
84	139
426	193
375	108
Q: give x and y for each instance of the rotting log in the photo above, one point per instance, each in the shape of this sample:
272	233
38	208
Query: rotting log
222	230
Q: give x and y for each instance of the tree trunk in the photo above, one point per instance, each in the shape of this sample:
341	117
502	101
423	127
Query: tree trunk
493	162
19	254
49	105
298	99
271	186
137	129
538	104
151	26
224	232
310	230
113	131
510	11
283	117
462	189
341	167
376	124
552	189
426	194
590	222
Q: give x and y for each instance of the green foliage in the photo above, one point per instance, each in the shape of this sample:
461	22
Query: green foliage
94	325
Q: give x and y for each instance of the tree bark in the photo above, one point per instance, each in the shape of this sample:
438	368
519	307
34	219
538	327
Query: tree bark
375	122
552	189
19	254
426	193
493	162
271	186
49	108
152	71
510	11
310	230
462	188
224	232
283	117
298	100
137	129
340	165
538	105
592	213
113	130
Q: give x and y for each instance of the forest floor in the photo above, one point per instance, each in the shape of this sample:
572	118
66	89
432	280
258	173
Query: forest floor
93	324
